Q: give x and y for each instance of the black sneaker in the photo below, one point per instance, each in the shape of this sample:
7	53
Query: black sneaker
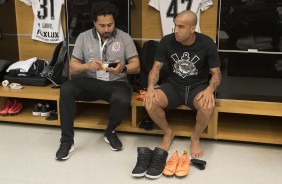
113	140
64	151
36	111
52	116
45	110
143	161
147	123
157	164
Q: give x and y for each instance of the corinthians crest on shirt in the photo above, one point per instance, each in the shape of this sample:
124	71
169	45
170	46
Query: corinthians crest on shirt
185	66
116	47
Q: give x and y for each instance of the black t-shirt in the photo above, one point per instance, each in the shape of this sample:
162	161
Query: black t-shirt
188	65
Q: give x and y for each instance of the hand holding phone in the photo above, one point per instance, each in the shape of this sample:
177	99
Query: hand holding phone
113	65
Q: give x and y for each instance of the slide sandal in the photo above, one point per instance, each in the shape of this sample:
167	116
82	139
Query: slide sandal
199	164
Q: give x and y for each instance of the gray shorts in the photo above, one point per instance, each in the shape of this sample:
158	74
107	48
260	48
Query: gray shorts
180	95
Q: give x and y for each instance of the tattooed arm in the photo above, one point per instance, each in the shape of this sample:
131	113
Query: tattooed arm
216	78
206	97
154	74
153	78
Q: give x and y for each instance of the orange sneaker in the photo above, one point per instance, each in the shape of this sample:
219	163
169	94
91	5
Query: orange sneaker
8	105
183	165
171	165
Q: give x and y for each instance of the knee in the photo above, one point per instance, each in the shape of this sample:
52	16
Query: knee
206	111
121	100
67	89
154	108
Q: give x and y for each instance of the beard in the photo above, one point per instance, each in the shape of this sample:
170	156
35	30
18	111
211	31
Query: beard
106	35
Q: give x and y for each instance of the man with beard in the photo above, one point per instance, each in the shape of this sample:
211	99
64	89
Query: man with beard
194	74
101	59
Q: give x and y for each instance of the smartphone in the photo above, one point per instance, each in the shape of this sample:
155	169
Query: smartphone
113	65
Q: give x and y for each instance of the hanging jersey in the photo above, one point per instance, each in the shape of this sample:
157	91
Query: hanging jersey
47	25
170	8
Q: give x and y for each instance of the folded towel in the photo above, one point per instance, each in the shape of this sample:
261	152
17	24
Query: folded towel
22	65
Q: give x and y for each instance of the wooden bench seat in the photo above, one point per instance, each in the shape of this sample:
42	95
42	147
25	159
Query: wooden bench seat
134	102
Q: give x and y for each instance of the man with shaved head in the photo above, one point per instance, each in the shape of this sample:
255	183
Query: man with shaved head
194	75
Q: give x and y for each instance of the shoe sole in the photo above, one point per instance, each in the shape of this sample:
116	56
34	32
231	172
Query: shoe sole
139	175
65	158
45	114
153	177
114	149
181	175
168	175
36	113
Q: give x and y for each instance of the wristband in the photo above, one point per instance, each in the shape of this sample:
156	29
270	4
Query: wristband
124	69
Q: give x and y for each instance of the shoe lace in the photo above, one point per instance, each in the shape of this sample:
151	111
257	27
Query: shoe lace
143	158
113	138
65	147
157	161
182	161
170	165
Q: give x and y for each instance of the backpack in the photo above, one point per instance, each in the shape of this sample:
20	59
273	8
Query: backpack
133	79
4	64
57	70
147	61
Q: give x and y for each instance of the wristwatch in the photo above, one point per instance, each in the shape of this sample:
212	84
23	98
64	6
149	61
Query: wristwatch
124	69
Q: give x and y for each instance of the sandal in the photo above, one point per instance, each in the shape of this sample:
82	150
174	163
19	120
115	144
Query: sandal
199	164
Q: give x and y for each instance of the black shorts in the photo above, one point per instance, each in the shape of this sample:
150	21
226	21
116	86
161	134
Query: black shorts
180	95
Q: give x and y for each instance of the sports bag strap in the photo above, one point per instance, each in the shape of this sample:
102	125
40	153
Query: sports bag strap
56	53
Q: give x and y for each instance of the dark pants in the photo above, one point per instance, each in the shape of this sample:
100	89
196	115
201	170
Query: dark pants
117	93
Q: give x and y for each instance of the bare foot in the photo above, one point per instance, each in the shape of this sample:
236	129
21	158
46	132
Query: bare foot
196	150
167	140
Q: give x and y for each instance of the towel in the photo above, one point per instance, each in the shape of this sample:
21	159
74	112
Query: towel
23	66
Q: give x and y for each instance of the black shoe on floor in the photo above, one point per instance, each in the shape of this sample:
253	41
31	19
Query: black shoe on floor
143	161
157	164
64	151
113	140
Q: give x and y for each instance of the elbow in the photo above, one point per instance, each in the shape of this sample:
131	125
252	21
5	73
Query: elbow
71	72
136	69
